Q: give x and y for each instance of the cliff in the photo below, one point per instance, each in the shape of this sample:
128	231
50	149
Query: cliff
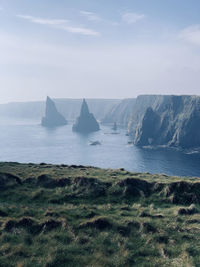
86	122
120	113
68	107
166	120
52	117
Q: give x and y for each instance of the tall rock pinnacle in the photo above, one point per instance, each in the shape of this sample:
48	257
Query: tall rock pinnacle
86	122
52	117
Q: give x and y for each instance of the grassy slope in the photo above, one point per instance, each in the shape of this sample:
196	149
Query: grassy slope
80	216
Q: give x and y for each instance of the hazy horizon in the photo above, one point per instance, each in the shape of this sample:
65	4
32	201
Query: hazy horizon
87	98
95	49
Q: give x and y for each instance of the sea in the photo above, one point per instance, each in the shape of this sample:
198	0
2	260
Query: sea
27	141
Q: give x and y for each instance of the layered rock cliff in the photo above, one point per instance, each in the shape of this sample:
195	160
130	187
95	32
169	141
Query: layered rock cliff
86	122
52	117
120	113
166	120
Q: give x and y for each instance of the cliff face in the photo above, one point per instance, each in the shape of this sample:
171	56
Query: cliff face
52	117
146	132
166	120
86	122
120	113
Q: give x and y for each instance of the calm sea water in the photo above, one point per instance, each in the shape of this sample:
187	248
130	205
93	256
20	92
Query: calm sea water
30	142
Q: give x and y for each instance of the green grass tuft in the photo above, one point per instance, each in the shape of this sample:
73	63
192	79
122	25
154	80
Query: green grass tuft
59	215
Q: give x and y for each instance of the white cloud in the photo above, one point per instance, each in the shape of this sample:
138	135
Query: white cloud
191	34
90	16
80	30
60	24
131	18
43	21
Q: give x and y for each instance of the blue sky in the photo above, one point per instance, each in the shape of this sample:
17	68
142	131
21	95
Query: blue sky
98	49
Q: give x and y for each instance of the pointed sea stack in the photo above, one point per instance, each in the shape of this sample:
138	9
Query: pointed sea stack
86	122
114	128
52	117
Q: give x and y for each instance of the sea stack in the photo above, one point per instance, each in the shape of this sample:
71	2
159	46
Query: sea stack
86	122
114	128
52	117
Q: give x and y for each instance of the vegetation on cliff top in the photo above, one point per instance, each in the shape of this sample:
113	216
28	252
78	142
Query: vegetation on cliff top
59	215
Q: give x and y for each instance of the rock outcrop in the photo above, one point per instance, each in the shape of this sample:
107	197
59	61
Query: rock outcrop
52	117
86	122
166	120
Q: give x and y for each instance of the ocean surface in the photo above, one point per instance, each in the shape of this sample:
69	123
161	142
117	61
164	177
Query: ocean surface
25	141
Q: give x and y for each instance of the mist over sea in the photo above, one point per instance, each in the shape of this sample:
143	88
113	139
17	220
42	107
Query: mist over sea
27	141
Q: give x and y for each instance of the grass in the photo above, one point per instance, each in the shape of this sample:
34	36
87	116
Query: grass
58	215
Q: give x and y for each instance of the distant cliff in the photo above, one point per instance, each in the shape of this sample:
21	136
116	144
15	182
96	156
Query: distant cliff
86	122
52	117
166	120
120	113
68	107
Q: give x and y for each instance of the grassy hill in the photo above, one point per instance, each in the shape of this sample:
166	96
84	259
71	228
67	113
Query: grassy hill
58	215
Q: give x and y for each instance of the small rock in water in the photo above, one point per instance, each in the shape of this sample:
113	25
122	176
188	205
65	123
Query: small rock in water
95	143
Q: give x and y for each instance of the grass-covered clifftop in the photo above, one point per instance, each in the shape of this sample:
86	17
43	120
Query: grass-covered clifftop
58	215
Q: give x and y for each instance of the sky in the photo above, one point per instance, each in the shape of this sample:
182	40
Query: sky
98	48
